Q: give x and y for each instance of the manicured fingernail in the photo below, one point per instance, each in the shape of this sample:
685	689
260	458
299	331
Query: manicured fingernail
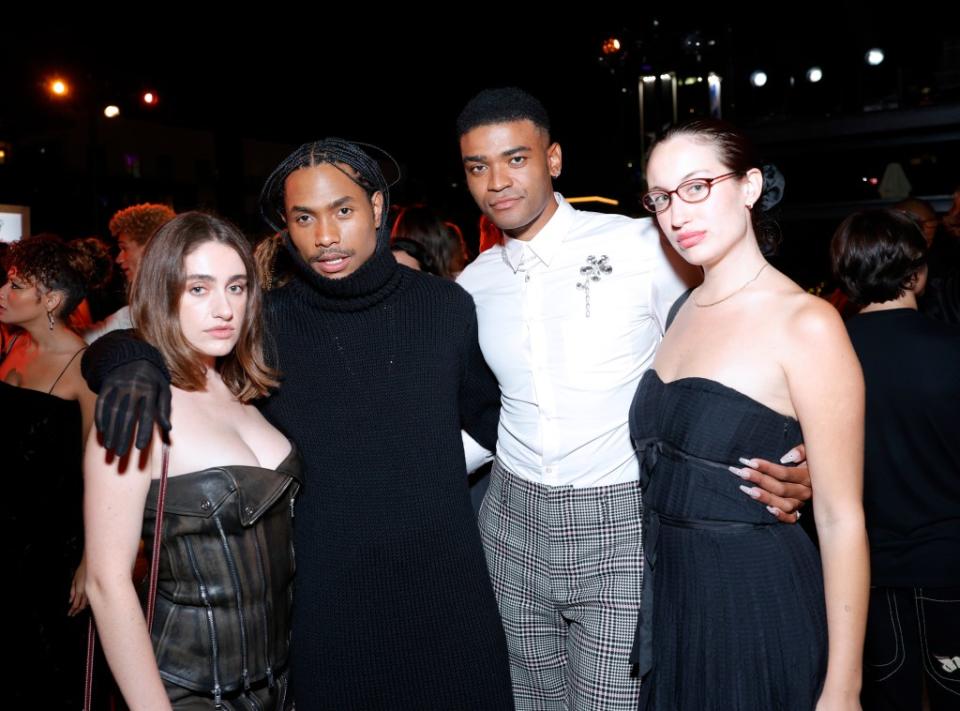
790	457
739	472
751	491
752	463
773	510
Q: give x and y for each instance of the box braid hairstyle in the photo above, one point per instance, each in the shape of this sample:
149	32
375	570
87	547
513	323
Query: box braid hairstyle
349	158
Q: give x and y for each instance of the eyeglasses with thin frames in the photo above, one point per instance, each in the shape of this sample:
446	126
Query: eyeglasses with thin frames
696	190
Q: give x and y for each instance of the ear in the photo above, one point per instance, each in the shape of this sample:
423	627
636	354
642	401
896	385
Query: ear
918	282
752	186
52	301
554	160
377	202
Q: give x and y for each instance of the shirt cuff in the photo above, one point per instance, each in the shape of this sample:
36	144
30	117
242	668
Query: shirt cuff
475	454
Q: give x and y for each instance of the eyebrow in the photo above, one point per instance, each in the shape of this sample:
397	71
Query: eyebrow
208	277
685	177
693	172
505	154
339	202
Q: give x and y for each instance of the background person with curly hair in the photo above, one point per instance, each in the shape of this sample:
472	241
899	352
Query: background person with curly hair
132	226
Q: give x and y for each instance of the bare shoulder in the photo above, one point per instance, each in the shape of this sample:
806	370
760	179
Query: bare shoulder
804	330
802	315
819	345
72	385
813	319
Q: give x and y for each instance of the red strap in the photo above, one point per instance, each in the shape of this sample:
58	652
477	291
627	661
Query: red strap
88	674
151	589
155	560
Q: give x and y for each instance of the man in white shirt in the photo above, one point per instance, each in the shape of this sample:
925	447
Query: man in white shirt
571	309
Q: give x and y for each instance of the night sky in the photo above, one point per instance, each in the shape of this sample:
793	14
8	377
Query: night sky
393	81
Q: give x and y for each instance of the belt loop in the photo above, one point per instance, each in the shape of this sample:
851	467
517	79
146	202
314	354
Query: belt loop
505	483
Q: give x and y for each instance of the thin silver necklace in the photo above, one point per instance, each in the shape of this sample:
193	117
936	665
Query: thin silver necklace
732	294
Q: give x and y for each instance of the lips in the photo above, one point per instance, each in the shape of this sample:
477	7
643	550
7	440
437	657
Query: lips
331	262
504	203
686	240
222	332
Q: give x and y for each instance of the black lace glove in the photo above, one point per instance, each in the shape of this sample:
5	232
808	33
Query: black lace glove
134	394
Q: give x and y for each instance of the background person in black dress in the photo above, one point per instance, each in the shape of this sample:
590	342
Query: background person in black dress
45	411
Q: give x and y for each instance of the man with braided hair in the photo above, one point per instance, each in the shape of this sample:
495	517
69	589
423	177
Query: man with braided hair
381	368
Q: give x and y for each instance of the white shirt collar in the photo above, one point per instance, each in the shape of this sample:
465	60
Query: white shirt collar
547	241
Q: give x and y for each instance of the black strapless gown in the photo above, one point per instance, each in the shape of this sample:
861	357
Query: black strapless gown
733	614
42	513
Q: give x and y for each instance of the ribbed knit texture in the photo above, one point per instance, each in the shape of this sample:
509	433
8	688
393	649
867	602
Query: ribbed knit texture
113	349
393	605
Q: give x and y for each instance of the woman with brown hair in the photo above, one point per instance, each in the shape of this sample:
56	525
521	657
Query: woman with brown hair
445	253
221	631
743	612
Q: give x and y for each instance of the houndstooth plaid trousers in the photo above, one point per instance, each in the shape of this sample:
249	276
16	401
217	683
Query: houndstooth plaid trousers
566	566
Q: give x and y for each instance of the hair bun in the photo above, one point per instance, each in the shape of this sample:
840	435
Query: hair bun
773	186
92	260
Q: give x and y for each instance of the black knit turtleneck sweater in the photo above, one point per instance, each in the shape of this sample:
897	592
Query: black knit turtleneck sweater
393	606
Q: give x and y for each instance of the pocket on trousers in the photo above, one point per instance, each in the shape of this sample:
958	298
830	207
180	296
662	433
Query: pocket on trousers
883	651
938	612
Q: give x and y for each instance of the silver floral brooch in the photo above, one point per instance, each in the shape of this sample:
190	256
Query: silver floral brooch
592	271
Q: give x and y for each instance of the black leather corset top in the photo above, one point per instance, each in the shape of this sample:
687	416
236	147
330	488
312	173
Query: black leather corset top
225	583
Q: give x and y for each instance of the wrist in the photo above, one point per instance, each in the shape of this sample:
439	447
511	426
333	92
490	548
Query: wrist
841	689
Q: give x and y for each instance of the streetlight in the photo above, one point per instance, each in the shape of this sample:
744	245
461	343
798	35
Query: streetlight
611	45
874	57
58	87
758	78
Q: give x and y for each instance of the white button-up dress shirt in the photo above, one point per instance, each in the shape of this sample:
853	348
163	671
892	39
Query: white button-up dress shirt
568	349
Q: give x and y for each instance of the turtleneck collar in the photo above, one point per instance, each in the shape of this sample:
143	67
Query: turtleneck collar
374	281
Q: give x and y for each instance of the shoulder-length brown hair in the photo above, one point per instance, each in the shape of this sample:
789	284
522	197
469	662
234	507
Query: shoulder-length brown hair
155	307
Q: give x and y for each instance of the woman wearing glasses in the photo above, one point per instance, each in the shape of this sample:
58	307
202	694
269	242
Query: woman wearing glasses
736	609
